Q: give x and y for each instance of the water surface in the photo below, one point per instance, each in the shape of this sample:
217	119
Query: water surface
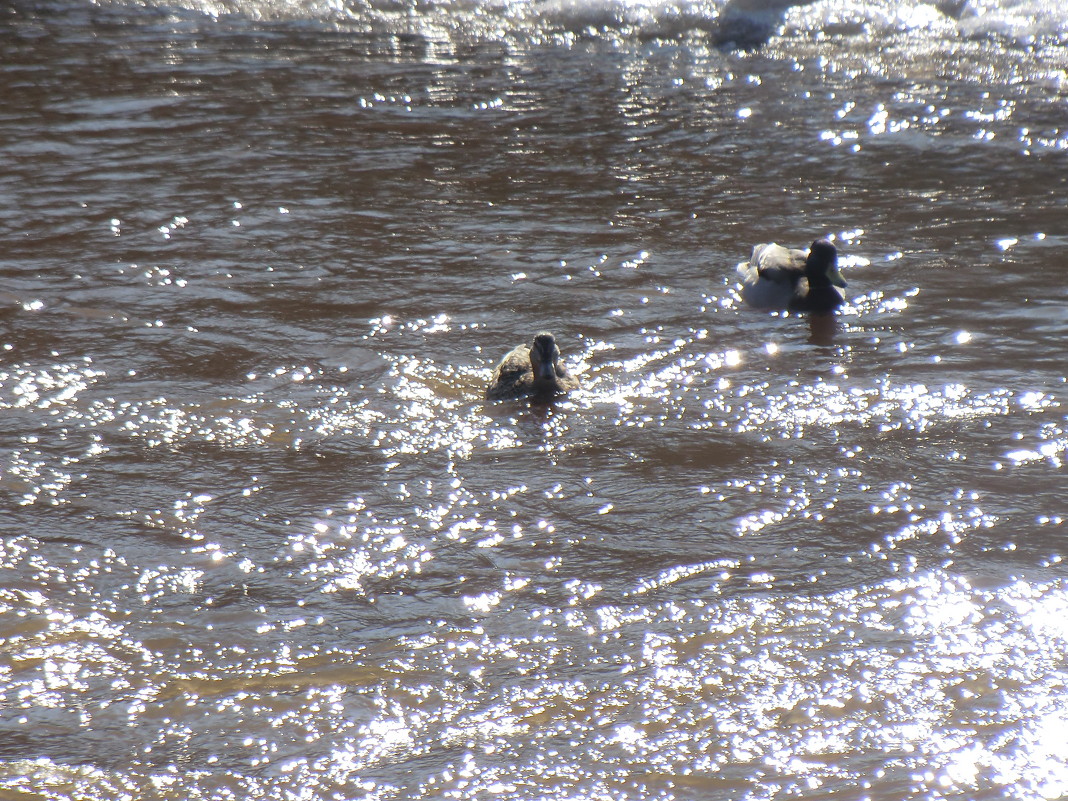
262	537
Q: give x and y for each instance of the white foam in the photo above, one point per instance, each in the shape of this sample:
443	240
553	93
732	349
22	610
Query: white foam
748	21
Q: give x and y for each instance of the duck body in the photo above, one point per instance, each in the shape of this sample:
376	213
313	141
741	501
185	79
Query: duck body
787	278
531	370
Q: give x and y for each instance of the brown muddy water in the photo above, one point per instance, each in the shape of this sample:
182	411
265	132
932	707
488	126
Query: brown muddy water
261	536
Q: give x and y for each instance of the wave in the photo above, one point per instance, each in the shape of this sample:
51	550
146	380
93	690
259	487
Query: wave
742	22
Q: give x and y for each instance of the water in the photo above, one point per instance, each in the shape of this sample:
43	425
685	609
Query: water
261	536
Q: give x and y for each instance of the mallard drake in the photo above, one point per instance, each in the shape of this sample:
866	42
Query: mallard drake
531	370
781	278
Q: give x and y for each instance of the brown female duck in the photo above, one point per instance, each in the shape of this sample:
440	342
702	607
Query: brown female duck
533	370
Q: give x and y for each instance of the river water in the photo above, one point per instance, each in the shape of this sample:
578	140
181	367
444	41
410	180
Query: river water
261	536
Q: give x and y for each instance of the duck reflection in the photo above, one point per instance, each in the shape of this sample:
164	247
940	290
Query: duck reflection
822	328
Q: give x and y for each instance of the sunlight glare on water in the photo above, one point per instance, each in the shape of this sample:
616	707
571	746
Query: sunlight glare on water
264	537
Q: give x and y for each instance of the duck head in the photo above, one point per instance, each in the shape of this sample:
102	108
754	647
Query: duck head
545	358
821	266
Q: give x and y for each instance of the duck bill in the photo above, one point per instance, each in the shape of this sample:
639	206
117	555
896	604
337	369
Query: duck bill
836	277
546	371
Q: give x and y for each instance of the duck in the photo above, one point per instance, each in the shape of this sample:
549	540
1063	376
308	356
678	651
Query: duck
531	370
783	278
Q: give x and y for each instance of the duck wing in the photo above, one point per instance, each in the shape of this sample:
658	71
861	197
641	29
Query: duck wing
511	374
778	264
